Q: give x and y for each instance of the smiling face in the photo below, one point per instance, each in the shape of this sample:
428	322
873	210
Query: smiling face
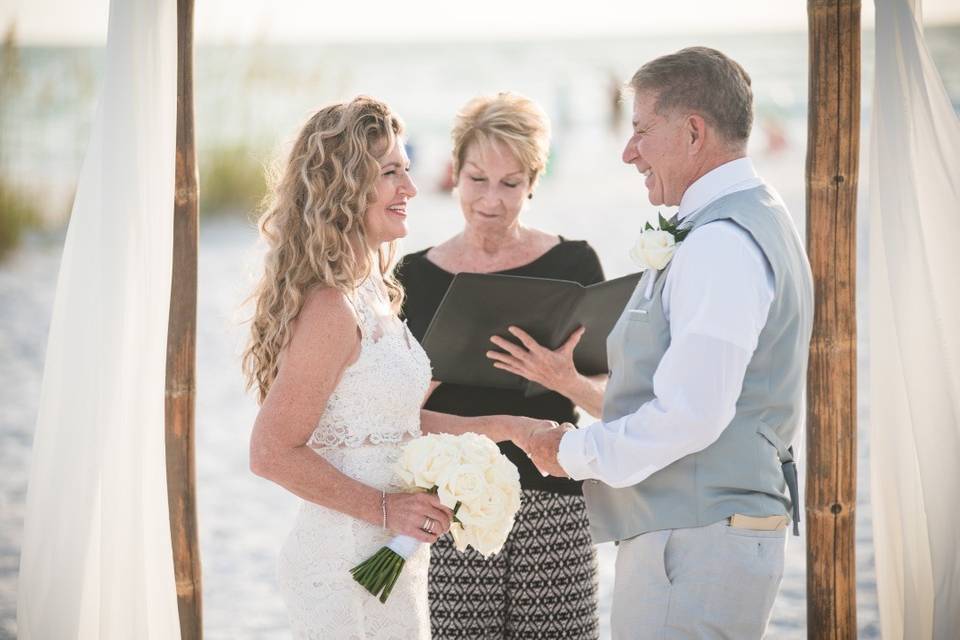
492	186
659	149
386	218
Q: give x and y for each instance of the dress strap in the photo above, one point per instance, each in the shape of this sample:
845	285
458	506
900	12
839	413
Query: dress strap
362	302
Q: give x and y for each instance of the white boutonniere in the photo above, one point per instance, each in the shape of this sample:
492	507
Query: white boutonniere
655	246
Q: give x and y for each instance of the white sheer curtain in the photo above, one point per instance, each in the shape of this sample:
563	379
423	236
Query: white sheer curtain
96	558
915	333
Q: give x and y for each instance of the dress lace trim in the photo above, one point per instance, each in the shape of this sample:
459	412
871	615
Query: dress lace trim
378	399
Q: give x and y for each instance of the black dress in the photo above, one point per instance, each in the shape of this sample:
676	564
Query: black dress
543	584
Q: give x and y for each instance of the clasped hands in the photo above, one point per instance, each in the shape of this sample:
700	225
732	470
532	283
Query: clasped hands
554	369
541	441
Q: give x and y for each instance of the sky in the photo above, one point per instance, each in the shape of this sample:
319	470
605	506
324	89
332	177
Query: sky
238	21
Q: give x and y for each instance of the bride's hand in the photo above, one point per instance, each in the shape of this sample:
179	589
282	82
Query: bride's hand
520	430
411	514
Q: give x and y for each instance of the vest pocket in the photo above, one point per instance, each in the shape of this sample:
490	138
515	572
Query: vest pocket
637	334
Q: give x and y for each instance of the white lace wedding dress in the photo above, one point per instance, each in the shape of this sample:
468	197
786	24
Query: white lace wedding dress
375	407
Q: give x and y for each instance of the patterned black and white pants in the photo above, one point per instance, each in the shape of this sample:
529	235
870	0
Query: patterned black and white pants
543	584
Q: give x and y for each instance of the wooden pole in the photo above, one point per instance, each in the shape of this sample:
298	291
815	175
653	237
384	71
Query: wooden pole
181	347
832	165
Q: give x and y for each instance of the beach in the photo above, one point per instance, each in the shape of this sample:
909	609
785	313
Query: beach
256	97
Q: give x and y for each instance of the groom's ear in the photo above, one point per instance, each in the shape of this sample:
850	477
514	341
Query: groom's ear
696	131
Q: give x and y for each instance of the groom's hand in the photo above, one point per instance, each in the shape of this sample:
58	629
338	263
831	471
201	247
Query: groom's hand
542	447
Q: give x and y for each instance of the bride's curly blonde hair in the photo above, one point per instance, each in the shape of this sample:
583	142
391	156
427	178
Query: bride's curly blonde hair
314	224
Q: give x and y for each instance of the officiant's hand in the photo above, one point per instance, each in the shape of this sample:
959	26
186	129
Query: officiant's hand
542	447
554	369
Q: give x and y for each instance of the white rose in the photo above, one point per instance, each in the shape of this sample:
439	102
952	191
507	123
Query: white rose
489	510
463	483
426	459
478	450
504	474
486	541
413	455
513	502
653	249
489	541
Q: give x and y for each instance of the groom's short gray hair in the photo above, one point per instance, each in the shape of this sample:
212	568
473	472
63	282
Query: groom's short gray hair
705	81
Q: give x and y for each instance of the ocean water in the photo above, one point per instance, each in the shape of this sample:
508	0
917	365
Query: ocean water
258	96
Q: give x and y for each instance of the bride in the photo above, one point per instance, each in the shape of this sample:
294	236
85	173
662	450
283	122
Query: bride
340	378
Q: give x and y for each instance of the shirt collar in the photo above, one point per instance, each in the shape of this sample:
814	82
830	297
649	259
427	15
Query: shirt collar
729	177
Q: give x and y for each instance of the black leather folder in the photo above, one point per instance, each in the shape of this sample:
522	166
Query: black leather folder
479	305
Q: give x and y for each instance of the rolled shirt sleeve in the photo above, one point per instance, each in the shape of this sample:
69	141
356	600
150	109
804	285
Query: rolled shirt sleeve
717	298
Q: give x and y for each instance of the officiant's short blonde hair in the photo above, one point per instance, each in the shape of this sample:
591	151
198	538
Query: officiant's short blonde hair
510	119
703	80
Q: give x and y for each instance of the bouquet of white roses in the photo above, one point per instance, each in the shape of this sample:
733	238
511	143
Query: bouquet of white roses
471	477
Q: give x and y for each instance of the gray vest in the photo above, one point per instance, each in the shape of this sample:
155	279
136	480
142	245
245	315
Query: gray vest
740	472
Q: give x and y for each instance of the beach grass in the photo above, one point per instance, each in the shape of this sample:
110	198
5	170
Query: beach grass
18	213
231	180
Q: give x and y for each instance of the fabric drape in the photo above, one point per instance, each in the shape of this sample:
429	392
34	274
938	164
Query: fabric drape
96	558
915	333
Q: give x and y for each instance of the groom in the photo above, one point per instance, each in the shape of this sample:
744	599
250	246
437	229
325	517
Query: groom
691	465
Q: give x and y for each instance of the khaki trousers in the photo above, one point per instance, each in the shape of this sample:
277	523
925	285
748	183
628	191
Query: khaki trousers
707	582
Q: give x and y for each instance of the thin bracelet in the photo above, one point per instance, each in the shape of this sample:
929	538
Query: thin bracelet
383	507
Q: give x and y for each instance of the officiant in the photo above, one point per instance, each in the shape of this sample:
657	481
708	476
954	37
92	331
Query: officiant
500	150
